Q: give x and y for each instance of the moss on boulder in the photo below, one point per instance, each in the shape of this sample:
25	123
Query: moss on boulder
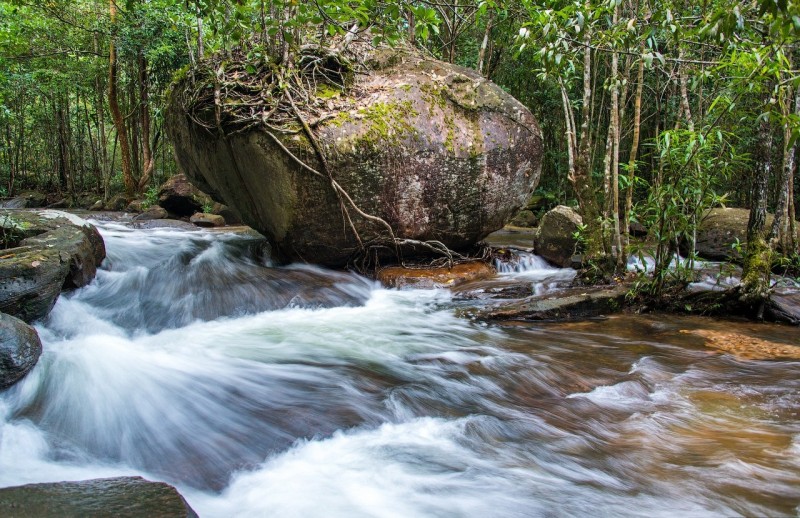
436	150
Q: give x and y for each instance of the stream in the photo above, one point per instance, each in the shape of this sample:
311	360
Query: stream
302	392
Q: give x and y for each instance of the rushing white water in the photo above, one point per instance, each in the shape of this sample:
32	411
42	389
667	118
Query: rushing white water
296	391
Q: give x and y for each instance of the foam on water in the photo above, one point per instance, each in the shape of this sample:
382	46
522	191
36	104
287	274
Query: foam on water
297	391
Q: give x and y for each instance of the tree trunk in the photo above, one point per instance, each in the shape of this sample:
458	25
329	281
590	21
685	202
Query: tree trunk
116	114
148	160
637	124
485	45
757	265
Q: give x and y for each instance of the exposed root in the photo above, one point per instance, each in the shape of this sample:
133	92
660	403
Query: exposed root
233	94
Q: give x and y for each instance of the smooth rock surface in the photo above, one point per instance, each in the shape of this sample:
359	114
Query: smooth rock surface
434	149
555	240
131	497
571	304
20	349
207	220
49	251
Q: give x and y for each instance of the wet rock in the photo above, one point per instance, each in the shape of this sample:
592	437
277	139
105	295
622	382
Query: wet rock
27	199
178	196
428	278
784	307
117	203
555	239
570	304
97	206
207	220
20	349
51	251
122	496
719	230
154	212
162	223
231	218
524	218
136	206
436	150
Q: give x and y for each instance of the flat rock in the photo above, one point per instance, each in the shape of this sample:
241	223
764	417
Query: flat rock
131	497
20	349
429	278
569	304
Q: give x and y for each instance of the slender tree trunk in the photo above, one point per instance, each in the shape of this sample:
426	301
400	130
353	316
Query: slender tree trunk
757	266
637	124
779	232
116	113
148	160
580	173
485	44
619	253
201	51
685	107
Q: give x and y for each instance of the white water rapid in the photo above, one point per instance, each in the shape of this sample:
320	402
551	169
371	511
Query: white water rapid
301	392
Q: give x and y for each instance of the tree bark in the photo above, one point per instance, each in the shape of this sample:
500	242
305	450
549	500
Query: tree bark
148	159
637	124
757	265
116	113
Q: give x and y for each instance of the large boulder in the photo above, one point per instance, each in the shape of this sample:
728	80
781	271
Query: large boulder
122	496
719	230
435	150
555	240
45	251
20	349
178	196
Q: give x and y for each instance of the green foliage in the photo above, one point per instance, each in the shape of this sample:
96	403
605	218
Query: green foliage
694	164
150	197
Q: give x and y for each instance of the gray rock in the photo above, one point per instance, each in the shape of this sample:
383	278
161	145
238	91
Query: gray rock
178	196
524	218
207	220
154	212
436	150
117	203
51	251
555	241
119	497
27	199
20	349
571	304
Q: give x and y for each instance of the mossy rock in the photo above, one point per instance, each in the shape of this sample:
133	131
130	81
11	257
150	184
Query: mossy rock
130	497
54	251
434	149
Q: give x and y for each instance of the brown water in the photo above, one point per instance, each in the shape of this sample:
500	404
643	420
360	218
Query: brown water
265	391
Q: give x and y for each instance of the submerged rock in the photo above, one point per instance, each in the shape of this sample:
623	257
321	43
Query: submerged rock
434	277
20	349
555	240
48	251
434	149
122	496
746	347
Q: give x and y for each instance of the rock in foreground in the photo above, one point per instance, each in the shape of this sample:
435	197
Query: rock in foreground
47	251
20	349
435	150
119	497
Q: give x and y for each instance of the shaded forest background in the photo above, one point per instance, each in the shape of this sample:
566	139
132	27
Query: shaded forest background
652	112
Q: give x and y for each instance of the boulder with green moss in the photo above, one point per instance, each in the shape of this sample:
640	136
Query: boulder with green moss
436	151
44	252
